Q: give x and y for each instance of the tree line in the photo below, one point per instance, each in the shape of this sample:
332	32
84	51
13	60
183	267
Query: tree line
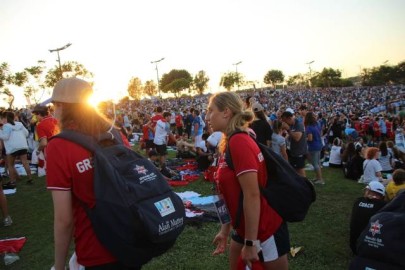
38	80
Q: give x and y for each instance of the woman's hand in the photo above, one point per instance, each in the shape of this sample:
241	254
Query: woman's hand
220	241
249	255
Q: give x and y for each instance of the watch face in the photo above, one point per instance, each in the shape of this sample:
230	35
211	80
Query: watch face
249	243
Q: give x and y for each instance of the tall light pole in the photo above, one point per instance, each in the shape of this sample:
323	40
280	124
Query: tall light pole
310	71
58	50
237	74
157	73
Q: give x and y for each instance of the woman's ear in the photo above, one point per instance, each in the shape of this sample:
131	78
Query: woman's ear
226	113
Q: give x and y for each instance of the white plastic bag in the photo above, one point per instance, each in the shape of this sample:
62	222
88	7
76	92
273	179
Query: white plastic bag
73	264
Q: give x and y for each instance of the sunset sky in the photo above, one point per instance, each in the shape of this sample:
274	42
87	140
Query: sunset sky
117	40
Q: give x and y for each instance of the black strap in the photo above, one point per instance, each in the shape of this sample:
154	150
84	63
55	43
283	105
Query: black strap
228	160
89	142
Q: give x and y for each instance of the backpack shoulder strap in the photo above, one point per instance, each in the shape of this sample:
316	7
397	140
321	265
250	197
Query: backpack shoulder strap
228	160
90	143
228	156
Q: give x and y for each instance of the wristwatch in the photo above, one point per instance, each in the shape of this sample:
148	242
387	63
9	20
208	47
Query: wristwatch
251	243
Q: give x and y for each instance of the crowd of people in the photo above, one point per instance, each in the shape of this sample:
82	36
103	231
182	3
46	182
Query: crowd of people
360	130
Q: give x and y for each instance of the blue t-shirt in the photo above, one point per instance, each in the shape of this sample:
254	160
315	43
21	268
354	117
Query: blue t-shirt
316	143
198	120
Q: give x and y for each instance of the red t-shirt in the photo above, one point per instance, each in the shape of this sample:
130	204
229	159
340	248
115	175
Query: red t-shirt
376	128
156	118
179	120
69	169
47	128
246	157
390	133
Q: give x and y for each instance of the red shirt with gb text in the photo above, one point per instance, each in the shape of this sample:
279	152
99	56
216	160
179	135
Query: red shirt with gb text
69	168
246	157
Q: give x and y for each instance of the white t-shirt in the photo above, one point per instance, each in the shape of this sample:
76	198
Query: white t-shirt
161	132
202	146
370	167
214	138
334	156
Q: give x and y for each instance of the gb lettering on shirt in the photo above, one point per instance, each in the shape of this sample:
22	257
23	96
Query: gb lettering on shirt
84	165
222	211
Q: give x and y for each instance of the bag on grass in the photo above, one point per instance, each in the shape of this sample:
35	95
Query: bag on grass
286	191
137	216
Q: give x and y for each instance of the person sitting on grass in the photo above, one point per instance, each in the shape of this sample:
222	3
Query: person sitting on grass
204	156
335	157
363	208
396	185
371	167
154	158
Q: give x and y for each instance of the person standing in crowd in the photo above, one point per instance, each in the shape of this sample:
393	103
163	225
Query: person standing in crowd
335	129
162	131
314	139
155	118
198	127
260	227
371	167
260	125
278	143
47	126
396	185
71	185
179	123
302	110
188	121
298	142
383	127
364	208
386	158
14	136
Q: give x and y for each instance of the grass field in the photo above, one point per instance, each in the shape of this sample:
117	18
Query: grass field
323	235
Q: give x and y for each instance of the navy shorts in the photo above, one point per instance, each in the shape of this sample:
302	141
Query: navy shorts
297	162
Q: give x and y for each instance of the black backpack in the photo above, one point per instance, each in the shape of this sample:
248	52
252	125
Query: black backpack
137	216
381	245
286	191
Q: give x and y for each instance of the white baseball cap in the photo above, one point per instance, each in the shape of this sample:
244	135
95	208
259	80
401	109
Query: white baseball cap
376	187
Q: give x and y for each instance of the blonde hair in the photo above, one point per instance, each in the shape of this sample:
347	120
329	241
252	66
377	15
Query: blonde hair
240	117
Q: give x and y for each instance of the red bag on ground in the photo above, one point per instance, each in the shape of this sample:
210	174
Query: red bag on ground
12	245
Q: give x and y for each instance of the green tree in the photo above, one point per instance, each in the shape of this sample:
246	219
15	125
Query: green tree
399	73
200	81
6	80
34	85
273	77
135	89
297	80
176	81
150	88
230	79
328	77
5	75
69	69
